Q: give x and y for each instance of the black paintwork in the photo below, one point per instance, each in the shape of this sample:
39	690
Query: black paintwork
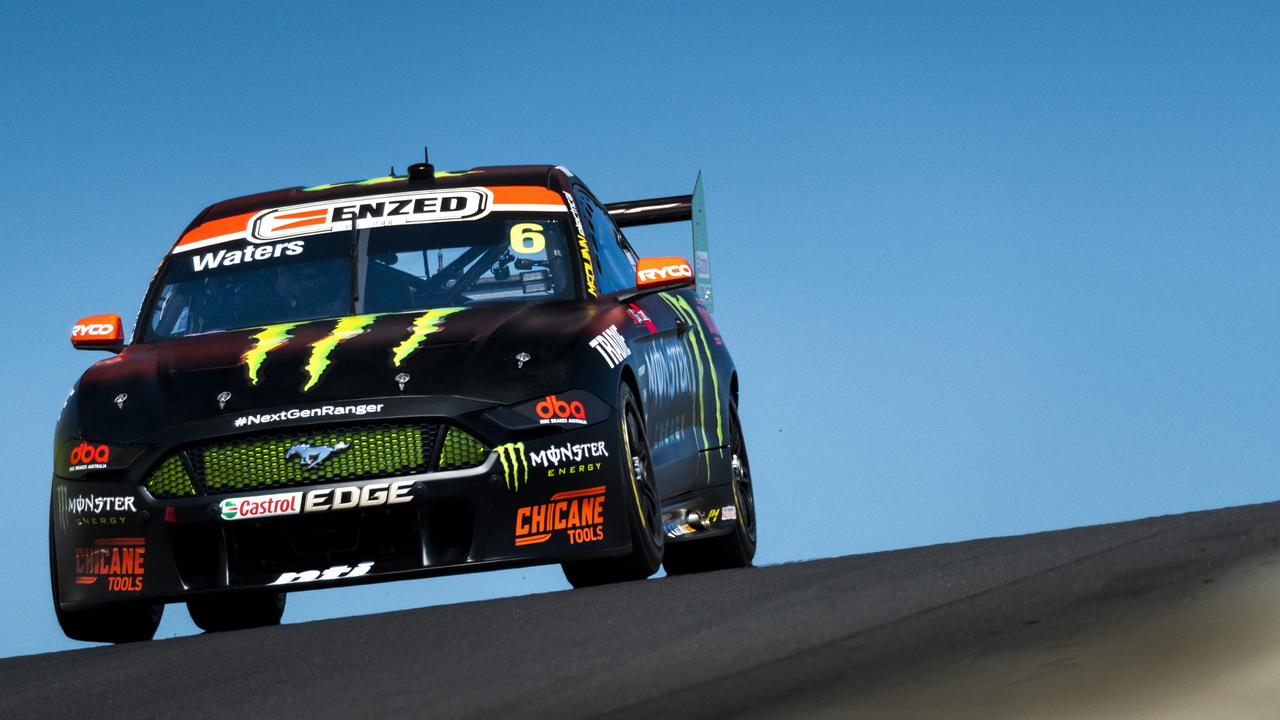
464	374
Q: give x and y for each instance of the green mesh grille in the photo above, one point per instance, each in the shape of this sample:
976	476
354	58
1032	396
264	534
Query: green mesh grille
461	450
262	462
170	480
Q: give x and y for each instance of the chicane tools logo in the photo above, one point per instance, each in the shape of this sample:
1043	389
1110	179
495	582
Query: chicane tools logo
577	513
119	560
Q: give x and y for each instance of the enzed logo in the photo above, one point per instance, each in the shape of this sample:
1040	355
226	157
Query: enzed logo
377	211
310	456
337	572
611	346
515	465
553	411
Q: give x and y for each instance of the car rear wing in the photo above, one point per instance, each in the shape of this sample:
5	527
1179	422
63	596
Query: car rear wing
677	208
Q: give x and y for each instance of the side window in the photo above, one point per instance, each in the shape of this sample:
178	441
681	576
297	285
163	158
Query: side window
617	269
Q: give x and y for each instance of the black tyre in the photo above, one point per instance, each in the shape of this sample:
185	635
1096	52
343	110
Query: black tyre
122	623
237	611
644	511
738	548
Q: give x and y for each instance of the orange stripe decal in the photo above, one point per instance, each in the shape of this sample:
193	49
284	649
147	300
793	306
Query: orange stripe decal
533	539
524	195
215	228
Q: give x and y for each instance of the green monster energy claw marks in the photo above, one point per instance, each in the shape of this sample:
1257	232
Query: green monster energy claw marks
515	465
429	322
268	339
271	337
345	329
681	308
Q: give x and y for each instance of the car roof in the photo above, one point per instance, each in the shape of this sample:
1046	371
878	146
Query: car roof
536	175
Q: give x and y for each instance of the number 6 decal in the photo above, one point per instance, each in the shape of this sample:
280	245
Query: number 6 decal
527	238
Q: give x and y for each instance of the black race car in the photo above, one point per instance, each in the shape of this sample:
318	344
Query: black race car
394	378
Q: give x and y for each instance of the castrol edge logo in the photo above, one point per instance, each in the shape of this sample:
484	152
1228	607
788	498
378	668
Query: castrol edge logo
367	212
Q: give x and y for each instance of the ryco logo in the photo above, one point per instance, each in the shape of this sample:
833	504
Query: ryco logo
95	330
668	272
553	411
85	455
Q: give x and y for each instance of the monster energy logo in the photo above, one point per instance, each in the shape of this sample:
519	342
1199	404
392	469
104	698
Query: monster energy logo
271	337
700	348
515	465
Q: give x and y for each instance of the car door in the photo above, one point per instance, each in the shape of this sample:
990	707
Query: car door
664	368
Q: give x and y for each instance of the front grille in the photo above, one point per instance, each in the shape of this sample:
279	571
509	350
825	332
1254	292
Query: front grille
461	450
350	453
171	479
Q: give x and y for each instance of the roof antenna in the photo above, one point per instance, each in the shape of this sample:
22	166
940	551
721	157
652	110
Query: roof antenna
422	173
393	171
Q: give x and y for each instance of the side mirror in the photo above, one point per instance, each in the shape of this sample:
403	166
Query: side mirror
98	332
657	273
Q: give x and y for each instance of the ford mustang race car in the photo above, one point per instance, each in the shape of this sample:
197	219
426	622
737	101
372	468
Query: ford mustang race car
400	377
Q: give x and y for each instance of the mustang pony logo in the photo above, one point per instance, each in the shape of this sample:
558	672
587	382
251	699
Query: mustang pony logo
311	456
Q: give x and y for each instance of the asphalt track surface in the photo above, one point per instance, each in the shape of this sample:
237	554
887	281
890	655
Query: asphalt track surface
796	640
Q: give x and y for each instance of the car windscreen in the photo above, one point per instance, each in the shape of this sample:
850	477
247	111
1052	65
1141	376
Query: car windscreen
239	284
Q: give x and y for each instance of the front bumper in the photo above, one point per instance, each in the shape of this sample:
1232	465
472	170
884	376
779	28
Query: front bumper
114	541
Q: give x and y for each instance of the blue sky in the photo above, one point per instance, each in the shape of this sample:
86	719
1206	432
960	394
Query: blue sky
985	269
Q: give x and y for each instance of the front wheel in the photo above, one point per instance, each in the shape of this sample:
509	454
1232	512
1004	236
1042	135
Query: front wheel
123	623
644	511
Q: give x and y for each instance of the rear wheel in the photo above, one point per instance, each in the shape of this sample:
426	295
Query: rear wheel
122	623
738	548
644	513
236	611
